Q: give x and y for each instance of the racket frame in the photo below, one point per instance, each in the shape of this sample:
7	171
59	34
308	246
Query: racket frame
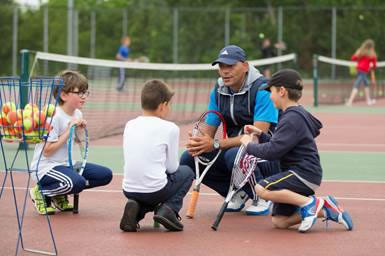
234	189
84	155
199	177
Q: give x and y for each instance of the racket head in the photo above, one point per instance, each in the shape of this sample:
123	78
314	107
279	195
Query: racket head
243	168
214	119
78	155
81	138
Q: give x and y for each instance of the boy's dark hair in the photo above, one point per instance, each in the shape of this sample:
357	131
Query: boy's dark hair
291	80
294	94
154	93
71	81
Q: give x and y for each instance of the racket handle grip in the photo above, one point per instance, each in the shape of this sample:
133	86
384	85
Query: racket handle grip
219	216
193	204
76	204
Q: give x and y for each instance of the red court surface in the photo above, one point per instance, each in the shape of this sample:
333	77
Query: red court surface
95	230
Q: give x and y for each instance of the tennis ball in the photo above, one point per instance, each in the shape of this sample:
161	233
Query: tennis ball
261	35
18	127
12	117
49	110
46	128
31	107
9	106
361	17
361	94
28	124
3	120
39	117
27	113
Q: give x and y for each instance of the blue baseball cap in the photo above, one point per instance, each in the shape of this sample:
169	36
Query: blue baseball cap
230	55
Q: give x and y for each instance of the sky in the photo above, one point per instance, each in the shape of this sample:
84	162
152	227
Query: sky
30	2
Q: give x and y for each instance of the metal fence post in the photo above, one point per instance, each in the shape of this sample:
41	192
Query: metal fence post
315	80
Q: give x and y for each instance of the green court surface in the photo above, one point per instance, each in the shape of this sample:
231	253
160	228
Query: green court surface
337	165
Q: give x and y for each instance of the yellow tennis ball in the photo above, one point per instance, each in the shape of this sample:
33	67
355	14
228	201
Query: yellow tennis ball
28	124
31	106
49	110
27	113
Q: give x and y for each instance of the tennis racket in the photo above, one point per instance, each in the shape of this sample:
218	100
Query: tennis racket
206	159
78	135
243	172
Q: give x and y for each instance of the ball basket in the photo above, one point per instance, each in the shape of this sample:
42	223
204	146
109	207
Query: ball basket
27	108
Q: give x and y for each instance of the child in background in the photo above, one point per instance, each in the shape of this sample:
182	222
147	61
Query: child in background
293	143
153	179
366	58
56	178
124	53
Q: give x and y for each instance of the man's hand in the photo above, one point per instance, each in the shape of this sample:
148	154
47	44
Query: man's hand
199	144
246	139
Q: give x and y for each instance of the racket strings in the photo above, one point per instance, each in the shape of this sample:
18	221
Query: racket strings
244	166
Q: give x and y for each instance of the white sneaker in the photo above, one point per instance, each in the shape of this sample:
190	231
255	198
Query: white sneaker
238	201
259	207
371	102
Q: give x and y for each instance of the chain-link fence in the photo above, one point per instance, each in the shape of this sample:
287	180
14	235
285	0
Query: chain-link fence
185	35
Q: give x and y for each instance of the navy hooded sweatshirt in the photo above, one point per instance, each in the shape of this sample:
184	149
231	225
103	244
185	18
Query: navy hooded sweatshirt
293	144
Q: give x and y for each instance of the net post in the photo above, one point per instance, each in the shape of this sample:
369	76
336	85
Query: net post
24	78
315	80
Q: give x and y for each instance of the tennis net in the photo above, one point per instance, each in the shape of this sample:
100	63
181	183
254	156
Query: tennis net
108	109
333	80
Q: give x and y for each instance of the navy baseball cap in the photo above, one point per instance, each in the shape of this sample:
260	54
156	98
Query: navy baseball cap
288	78
230	55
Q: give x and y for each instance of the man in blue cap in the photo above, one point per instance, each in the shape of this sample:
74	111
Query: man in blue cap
239	97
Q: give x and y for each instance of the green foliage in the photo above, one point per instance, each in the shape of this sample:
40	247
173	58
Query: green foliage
200	27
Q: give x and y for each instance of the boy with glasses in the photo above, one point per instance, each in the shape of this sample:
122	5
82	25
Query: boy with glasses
55	178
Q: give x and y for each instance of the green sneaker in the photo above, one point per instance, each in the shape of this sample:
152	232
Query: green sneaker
39	202
61	202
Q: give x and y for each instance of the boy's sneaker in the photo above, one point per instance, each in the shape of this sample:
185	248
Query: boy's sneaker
128	222
259	207
309	214
237	203
335	213
168	218
61	202
39	202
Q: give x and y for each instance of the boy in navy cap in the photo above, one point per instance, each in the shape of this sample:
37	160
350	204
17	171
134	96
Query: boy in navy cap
237	96
292	143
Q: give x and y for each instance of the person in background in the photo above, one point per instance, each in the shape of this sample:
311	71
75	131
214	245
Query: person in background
268	50
123	54
366	58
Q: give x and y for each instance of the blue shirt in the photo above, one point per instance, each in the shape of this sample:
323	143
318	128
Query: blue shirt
124	51
264	109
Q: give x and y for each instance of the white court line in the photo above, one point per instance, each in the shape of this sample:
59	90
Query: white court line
212	194
353	145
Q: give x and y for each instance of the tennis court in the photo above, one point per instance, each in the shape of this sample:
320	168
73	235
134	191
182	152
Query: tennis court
352	146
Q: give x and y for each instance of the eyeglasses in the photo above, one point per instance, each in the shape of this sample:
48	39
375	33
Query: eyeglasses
82	94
